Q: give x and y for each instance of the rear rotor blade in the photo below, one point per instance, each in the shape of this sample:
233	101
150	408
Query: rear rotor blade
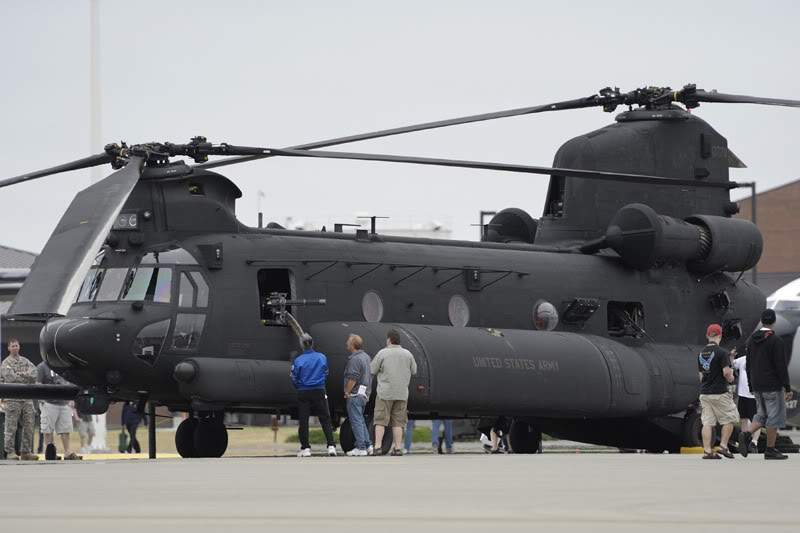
527	169
705	96
56	275
590	101
86	162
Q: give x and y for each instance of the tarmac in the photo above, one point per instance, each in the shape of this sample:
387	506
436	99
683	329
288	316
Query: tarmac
423	492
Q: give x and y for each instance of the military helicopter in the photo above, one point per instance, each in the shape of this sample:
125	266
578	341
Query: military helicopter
583	324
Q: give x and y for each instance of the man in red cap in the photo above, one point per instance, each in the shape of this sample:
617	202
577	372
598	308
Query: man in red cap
716	401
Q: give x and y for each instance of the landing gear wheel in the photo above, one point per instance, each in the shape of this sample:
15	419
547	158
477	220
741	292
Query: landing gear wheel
346	438
693	431
184	438
523	438
210	438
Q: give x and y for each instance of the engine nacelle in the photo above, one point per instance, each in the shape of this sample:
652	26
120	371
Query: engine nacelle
644	239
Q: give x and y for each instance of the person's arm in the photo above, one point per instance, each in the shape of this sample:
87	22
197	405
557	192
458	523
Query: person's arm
747	368
727	370
351	374
700	376
349	387
782	367
375	365
413	366
295	373
39	375
30	372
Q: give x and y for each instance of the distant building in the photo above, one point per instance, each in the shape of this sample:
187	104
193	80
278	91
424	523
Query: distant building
14	266
778	219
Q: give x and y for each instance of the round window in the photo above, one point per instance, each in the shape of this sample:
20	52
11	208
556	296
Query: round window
458	310
372	306
545	316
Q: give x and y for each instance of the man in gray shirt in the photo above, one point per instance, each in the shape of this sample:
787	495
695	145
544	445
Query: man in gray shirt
393	367
357	388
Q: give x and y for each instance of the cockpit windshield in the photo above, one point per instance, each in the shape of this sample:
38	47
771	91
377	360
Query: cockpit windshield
148	284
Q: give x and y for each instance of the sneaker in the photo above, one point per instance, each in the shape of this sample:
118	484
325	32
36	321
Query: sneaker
449	451
406	451
304	452
772	453
332	451
745	439
752	448
355	452
725	452
370	450
11	456
29	457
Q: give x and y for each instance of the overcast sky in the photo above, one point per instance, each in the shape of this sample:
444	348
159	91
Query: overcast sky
284	73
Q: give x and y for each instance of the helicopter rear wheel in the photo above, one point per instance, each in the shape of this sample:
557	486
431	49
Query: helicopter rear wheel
524	438
346	438
184	438
210	437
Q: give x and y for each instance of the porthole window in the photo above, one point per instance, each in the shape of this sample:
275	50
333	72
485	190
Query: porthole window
545	316
458	310
372	306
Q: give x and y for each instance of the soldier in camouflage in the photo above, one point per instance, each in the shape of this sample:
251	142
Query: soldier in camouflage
17	369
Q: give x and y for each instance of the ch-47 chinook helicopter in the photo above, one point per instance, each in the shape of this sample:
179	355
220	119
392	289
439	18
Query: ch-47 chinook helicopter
584	324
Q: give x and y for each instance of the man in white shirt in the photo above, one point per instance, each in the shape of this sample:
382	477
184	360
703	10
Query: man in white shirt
746	402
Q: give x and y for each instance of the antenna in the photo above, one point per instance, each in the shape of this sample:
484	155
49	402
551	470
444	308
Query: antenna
372	224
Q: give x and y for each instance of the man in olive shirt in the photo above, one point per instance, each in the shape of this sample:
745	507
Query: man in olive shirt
716	402
393	366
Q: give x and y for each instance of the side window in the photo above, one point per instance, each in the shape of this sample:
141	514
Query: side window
185	292
202	289
625	319
188	329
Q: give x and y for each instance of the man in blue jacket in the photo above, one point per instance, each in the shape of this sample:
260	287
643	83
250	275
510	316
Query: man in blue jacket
309	371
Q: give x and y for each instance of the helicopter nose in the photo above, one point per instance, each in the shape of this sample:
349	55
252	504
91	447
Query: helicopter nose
59	342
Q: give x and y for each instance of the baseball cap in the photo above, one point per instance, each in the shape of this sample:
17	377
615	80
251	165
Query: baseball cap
768	316
714	330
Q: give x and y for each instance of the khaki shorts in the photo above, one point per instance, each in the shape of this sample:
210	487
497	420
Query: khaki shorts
56	418
718	409
392	413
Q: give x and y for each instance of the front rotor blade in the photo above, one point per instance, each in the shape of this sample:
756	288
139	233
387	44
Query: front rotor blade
527	169
591	101
57	273
705	96
86	162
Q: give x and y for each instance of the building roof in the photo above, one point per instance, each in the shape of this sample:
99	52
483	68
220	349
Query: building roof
767	191
14	258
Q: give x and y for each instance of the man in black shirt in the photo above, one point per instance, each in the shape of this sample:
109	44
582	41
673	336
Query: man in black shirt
716	401
768	377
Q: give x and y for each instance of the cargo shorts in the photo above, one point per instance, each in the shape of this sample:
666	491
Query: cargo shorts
392	413
56	418
771	409
718	409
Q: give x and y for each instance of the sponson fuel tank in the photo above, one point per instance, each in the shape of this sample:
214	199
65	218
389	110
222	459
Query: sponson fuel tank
474	371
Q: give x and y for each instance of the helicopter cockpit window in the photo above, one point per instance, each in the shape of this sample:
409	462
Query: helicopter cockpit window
625	319
148	343
148	284
111	285
176	256
185	292
186	335
90	285
202	289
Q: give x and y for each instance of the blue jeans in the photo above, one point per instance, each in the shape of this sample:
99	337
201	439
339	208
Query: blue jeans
448	433
355	414
409	431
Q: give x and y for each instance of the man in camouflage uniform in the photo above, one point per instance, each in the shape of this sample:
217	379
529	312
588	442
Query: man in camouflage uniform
17	369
